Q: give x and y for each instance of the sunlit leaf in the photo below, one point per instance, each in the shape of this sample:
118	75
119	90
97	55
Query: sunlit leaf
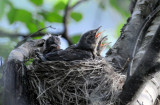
76	38
32	27
76	16
2	7
64	1
37	2
19	15
42	25
11	15
53	17
59	5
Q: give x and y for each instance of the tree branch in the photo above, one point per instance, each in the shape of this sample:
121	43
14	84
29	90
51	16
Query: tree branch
143	36
64	33
148	66
65	22
66	17
123	48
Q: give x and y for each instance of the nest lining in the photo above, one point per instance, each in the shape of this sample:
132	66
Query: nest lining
87	82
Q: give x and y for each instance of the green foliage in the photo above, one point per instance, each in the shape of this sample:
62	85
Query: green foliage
121	6
59	6
19	15
76	38
37	2
53	17
29	62
31	27
2	7
76	16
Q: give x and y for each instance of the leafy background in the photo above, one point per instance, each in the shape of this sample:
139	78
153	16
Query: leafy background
23	17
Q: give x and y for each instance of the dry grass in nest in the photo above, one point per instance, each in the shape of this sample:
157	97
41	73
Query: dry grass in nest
74	83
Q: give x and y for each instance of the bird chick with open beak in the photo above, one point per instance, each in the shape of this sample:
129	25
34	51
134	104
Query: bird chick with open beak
89	41
84	49
101	45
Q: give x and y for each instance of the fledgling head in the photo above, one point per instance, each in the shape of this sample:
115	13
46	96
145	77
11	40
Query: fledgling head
89	40
52	43
101	45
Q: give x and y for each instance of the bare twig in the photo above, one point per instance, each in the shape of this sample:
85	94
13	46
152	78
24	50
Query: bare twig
65	22
64	33
5	34
68	10
25	39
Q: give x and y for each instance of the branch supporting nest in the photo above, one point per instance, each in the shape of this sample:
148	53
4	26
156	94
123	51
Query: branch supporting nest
75	82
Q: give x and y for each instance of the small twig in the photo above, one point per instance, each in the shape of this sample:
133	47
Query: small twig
68	10
65	22
15	35
25	39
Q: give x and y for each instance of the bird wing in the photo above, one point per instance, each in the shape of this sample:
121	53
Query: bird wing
69	55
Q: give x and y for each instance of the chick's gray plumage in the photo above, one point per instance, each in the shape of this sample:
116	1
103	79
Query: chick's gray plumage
52	44
84	49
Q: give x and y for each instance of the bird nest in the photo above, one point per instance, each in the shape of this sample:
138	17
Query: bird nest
78	82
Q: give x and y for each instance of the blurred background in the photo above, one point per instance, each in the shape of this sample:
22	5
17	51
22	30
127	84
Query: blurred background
20	18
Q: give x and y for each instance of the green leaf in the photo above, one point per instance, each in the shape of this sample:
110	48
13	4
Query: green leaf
76	38
53	17
37	2
19	15
59	6
11	15
29	62
76	16
42	25
32	27
2	7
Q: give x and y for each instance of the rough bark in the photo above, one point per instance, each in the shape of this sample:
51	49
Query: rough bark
149	94
124	46
144	38
145	69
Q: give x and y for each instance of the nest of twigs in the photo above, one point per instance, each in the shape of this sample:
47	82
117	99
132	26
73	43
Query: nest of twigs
87	82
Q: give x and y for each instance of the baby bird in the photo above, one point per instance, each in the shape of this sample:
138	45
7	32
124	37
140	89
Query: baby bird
52	44
84	49
101	45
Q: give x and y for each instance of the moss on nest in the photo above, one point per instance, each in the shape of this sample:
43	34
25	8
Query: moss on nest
74	82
